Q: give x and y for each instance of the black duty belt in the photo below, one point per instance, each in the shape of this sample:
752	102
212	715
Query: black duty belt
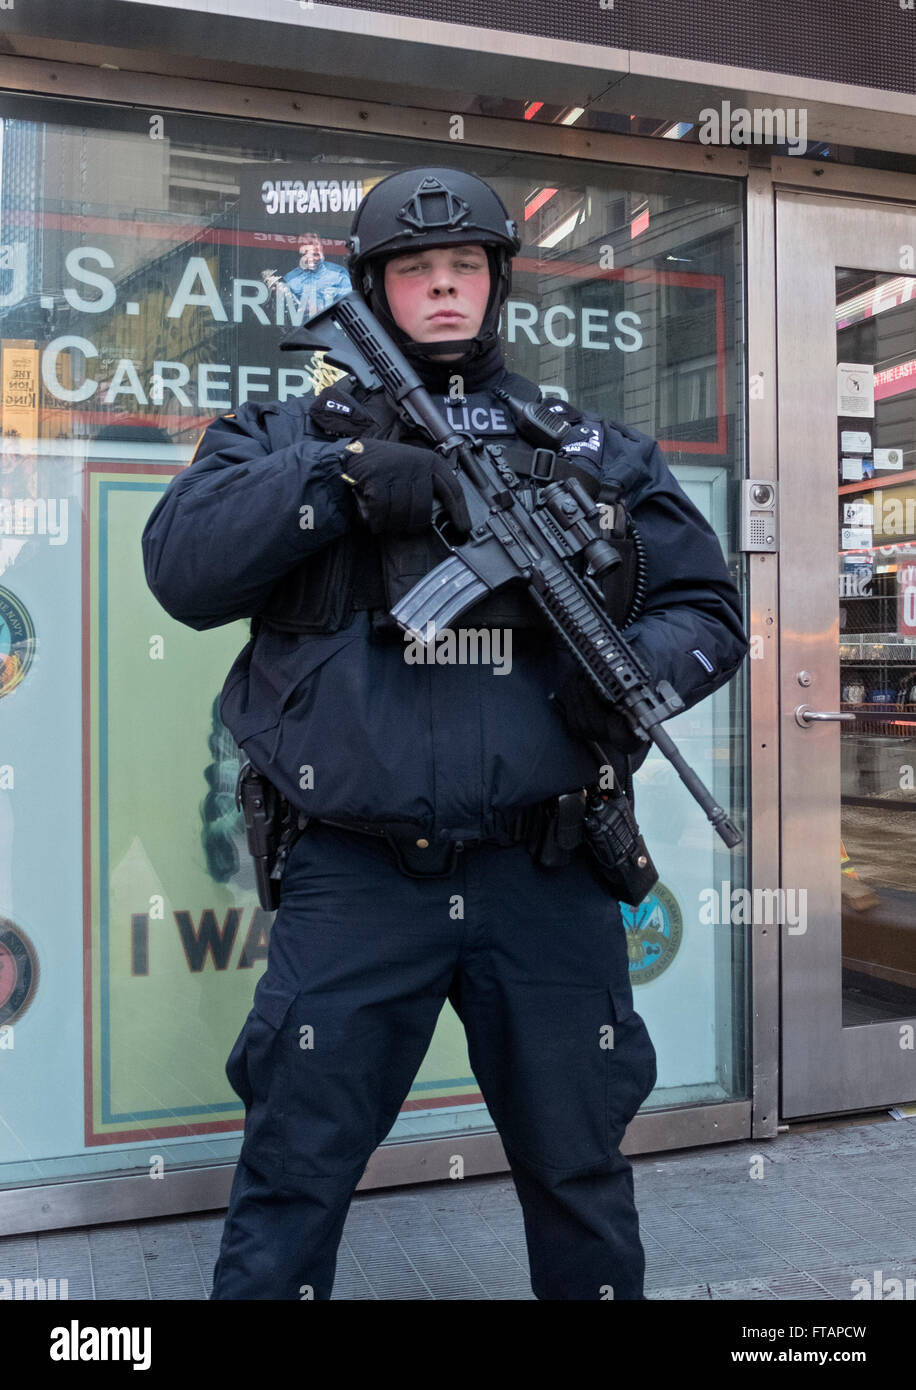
549	829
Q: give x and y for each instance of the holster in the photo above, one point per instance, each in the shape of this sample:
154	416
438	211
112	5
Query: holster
271	828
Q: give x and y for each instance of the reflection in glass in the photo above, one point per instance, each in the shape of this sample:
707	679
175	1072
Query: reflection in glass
876	452
145	286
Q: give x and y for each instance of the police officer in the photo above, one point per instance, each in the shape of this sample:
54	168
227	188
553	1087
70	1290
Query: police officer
427	792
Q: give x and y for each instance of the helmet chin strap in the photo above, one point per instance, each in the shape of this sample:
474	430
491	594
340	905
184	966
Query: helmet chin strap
464	347
441	348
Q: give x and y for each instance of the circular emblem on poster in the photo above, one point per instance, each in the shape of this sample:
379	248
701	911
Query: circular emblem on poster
17	641
654	931
18	971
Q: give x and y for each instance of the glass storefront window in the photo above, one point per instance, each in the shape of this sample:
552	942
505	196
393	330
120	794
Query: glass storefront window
876	501
149	267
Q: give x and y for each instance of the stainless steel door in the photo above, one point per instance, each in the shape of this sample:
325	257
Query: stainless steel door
846	306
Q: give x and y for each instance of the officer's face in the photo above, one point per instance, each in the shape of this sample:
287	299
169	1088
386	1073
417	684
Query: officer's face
439	294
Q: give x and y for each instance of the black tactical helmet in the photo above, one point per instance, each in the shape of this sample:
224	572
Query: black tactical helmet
432	207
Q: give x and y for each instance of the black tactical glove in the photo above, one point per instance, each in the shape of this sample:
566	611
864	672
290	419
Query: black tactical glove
396	484
589	716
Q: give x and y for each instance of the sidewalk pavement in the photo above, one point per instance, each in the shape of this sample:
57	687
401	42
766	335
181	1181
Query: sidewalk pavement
833	1202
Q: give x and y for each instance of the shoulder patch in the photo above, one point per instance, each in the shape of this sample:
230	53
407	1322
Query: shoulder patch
586	438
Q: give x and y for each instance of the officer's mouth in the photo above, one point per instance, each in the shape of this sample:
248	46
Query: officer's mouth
446	318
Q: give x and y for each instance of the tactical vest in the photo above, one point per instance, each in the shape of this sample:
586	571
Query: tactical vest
360	570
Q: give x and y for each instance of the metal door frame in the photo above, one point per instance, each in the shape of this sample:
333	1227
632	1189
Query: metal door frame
826	1068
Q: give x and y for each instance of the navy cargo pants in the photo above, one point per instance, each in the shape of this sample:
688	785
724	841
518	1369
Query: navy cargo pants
361	960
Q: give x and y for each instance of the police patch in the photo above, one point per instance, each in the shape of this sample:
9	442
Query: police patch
18	972
584	439
17	641
654	931
477	413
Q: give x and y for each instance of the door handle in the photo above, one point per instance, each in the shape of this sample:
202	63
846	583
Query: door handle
805	716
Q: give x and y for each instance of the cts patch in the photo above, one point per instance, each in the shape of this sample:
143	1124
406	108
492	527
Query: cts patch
336	413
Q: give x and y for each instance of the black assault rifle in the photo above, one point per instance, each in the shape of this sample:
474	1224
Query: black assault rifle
507	541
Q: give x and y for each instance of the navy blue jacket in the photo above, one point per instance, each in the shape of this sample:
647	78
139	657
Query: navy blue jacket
342	724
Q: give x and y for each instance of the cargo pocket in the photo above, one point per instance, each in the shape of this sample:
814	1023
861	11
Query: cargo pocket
335	1087
545	1076
315	1080
236	1070
257	1072
631	1063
